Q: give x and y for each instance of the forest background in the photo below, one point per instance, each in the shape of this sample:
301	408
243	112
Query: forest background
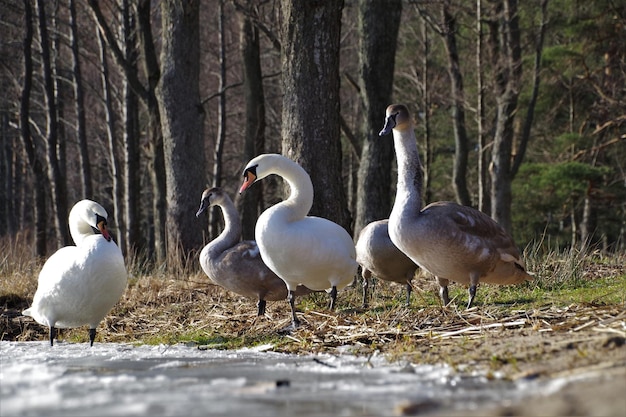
520	111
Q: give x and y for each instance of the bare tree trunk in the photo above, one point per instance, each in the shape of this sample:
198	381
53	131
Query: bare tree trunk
428	154
530	113
250	202
505	45
379	23
585	221
459	171
157	179
81	134
59	88
133	239
148	96
110	128
152	73
483	188
182	118
311	114
574	225
29	146
7	170
55	180
214	213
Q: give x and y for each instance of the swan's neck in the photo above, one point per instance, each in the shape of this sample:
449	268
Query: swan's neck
410	177
300	198
79	229
231	233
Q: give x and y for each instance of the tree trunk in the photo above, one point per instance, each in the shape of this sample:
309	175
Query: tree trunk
214	212
55	179
178	95
428	149
152	74
483	189
110	129
530	112
81	133
11	178
133	240
29	146
251	202
505	46
311	114
459	171
379	23
158	179
60	89
585	221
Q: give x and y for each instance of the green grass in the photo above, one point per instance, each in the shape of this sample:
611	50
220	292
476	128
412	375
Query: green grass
175	303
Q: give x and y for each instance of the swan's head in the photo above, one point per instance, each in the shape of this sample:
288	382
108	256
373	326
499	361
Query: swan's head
87	218
396	118
210	197
260	167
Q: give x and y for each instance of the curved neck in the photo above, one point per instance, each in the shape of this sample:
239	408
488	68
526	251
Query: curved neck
300	198
79	229
410	177
231	234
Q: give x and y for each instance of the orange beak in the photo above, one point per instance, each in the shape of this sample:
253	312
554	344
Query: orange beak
103	229
248	180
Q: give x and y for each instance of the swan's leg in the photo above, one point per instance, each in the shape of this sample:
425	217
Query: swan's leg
409	289
92	336
53	333
366	282
292	302
472	288
261	307
333	298
472	294
443	290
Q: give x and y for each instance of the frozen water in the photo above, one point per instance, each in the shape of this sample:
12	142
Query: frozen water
111	379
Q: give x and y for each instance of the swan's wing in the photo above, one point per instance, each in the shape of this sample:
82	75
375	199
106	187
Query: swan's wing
319	237
57	266
246	252
478	226
49	287
312	251
240	269
249	249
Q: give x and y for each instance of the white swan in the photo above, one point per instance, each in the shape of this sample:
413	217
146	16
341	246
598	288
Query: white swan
451	241
237	265
379	257
78	285
300	249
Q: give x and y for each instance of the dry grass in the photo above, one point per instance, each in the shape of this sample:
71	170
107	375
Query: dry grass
574	299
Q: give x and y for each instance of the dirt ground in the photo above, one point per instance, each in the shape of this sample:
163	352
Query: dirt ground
586	343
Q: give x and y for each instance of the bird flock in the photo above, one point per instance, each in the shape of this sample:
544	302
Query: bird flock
294	254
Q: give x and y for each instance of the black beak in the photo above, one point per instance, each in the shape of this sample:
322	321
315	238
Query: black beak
390	123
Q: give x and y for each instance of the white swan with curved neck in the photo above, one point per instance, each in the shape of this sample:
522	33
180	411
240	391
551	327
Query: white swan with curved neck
451	241
300	249
78	285
379	257
235	264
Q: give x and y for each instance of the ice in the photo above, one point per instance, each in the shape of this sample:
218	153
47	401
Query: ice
110	379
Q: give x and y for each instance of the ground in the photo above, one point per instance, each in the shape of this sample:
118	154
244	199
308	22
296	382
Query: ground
500	341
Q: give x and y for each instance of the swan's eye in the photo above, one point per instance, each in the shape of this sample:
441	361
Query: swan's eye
99	219
251	170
